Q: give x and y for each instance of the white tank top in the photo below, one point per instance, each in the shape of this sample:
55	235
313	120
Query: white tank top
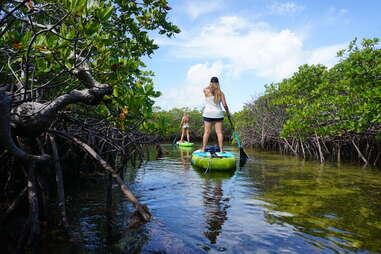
211	109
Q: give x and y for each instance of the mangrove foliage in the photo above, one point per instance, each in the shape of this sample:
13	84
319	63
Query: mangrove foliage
73	90
320	112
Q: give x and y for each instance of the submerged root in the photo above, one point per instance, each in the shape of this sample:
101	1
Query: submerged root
140	216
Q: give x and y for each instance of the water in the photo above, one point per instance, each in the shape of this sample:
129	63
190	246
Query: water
274	204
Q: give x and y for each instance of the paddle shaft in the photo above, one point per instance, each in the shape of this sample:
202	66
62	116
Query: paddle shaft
230	120
243	154
174	140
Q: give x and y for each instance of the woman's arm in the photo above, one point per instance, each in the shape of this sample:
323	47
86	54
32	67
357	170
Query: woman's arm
182	121
223	100
206	91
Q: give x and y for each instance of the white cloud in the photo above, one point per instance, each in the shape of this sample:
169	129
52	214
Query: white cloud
337	12
325	55
252	46
190	94
287	8
198	8
232	47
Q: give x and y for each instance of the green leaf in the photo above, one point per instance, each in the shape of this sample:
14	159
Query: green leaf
115	91
107	13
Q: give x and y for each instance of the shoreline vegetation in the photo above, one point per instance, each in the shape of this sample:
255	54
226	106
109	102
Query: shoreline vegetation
76	100
321	113
317	113
74	93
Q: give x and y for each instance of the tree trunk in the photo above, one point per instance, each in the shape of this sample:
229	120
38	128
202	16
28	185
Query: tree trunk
301	145
359	152
319	149
35	230
60	189
291	148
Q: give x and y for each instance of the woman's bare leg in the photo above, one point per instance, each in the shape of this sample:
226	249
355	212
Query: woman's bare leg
182	134
220	135
187	130
207	129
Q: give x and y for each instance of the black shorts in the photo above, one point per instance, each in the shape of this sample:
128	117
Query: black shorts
213	120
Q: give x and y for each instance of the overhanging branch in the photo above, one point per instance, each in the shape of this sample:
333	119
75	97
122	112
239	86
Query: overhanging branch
5	132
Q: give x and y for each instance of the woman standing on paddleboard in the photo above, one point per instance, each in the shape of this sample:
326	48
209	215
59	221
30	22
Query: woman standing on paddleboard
213	114
184	126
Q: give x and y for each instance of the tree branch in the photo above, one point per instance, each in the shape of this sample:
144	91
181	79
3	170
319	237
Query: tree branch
12	11
33	118
5	132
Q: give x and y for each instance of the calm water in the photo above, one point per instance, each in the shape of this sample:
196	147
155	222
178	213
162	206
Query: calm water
274	204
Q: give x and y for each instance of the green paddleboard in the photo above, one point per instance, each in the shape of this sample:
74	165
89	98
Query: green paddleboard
222	161
185	144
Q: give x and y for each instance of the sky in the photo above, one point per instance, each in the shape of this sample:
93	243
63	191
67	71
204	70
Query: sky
250	43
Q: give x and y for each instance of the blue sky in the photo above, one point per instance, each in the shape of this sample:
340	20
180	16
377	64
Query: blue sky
250	43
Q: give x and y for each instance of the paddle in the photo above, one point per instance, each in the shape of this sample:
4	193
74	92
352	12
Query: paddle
242	154
174	140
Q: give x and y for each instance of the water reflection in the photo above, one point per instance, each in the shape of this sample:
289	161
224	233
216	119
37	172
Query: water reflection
214	202
215	209
274	204
185	157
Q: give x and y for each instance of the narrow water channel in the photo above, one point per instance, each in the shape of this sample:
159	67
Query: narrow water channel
273	204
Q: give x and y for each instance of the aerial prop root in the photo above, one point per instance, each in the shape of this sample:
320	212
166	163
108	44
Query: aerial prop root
142	212
61	190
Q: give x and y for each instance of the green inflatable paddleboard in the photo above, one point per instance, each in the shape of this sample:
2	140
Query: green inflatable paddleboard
185	144
220	161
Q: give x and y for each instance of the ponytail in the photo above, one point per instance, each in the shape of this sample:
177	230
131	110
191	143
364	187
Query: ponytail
216	91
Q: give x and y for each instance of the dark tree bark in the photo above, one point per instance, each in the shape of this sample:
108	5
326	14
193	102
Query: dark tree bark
6	140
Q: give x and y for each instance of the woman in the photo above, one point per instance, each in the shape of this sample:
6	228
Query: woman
184	125
213	114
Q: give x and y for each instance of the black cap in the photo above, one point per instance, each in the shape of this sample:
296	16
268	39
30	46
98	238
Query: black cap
214	80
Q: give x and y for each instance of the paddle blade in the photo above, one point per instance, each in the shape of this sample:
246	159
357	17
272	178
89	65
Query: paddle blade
242	154
242	162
